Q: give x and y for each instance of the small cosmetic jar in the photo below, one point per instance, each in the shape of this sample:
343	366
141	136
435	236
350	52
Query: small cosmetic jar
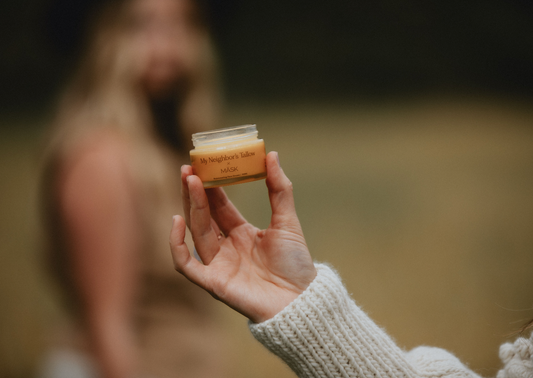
228	156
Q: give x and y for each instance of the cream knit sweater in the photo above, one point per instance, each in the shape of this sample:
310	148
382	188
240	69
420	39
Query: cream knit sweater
323	333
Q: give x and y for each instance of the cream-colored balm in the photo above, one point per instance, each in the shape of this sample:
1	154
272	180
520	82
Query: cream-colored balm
228	156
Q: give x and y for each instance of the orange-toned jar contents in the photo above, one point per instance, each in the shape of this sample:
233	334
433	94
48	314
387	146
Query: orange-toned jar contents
228	156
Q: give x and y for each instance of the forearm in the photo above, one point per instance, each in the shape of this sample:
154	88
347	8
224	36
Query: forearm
97	202
324	334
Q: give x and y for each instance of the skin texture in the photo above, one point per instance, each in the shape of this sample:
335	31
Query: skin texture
255	272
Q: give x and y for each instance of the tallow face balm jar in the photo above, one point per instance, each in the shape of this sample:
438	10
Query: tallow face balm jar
228	156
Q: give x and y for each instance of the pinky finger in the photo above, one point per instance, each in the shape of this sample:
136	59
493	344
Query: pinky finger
184	263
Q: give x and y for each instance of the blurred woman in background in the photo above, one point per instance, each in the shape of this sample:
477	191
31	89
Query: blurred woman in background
110	184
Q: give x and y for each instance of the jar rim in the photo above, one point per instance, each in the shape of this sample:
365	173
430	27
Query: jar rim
224	135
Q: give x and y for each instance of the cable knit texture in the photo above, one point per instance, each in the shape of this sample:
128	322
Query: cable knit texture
323	333
517	358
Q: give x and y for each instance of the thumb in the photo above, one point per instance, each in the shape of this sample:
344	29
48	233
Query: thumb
281	197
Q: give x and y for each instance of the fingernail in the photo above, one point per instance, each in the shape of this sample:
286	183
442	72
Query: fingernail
191	196
277	158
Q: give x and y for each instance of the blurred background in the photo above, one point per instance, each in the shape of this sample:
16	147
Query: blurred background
405	126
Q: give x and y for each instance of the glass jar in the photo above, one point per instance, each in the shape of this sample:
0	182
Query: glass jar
228	156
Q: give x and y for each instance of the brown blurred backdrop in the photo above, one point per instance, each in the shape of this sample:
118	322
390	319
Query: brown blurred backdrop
425	207
408	137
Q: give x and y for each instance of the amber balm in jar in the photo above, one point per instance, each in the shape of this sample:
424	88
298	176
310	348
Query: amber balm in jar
228	156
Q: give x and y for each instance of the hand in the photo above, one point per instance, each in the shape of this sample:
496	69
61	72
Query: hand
255	272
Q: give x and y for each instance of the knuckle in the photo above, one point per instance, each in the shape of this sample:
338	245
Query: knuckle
290	187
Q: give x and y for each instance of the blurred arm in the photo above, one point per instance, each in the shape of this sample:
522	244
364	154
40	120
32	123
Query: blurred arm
96	199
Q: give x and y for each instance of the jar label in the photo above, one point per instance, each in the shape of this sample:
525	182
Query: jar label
230	163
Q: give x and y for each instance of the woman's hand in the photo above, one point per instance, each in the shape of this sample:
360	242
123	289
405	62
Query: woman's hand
256	272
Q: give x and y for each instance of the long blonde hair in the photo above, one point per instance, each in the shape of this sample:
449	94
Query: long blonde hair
104	92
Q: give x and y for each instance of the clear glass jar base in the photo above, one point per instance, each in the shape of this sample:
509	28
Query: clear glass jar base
234	180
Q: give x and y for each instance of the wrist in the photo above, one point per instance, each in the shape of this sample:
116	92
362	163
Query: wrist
281	302
284	298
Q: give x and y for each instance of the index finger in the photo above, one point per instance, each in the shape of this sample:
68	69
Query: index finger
204	235
186	171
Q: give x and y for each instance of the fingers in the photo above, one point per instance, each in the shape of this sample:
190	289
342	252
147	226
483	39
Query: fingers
186	171
183	262
223	211
205	236
281	196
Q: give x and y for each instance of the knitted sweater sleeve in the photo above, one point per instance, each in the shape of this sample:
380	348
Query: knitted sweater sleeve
517	358
323	333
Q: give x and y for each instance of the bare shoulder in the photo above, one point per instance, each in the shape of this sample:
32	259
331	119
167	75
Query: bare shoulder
107	149
102	156
95	174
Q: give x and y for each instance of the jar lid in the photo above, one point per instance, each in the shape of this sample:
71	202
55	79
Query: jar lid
225	135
